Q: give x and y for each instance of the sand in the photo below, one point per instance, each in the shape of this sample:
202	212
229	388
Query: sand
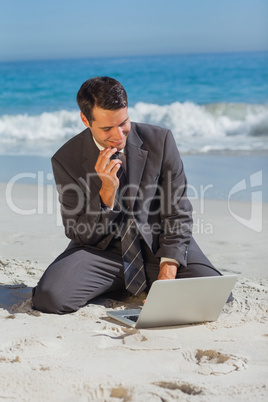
85	356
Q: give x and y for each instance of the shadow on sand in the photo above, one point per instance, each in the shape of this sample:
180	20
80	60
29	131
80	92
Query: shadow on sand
13	296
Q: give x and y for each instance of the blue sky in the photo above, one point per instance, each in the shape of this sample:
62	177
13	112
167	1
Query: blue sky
33	29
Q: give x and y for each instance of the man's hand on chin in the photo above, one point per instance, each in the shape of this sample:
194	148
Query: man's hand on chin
168	270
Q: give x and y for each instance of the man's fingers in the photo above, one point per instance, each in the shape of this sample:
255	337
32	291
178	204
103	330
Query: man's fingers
104	160
112	167
109	177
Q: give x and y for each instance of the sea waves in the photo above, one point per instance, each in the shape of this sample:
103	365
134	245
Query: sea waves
207	128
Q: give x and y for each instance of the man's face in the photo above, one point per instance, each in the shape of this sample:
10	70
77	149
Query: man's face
110	127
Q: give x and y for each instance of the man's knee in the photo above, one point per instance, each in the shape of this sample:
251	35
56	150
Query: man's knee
48	300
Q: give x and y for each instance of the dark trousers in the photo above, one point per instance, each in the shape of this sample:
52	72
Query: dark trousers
82	273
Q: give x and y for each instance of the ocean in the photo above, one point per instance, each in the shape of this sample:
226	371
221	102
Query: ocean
215	104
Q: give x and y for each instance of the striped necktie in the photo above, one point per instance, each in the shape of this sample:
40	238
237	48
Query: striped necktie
135	279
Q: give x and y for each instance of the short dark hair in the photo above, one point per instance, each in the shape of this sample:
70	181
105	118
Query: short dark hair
104	92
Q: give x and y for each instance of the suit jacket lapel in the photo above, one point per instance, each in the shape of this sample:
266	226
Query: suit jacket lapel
90	156
136	159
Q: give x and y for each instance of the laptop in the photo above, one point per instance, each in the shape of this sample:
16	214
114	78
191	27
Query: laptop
179	302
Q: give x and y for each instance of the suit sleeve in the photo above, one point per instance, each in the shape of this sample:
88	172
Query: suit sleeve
176	209
86	220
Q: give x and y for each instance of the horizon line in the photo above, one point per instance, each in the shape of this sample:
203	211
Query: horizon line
131	56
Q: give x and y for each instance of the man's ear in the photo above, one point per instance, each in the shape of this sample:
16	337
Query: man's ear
84	119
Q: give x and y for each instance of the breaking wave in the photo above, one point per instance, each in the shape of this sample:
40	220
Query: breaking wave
212	127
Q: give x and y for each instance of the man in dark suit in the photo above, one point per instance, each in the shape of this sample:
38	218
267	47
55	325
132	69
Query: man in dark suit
122	190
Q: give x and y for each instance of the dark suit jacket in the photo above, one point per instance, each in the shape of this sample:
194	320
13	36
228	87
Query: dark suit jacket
156	196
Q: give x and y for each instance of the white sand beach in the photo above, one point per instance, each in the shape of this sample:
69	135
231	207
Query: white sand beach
85	356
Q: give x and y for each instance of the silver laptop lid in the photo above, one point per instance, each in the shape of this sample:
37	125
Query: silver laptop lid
185	301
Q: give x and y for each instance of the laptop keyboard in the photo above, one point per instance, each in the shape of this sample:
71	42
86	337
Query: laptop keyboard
132	317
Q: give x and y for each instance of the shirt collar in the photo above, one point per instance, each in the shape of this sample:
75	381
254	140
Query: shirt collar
100	147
